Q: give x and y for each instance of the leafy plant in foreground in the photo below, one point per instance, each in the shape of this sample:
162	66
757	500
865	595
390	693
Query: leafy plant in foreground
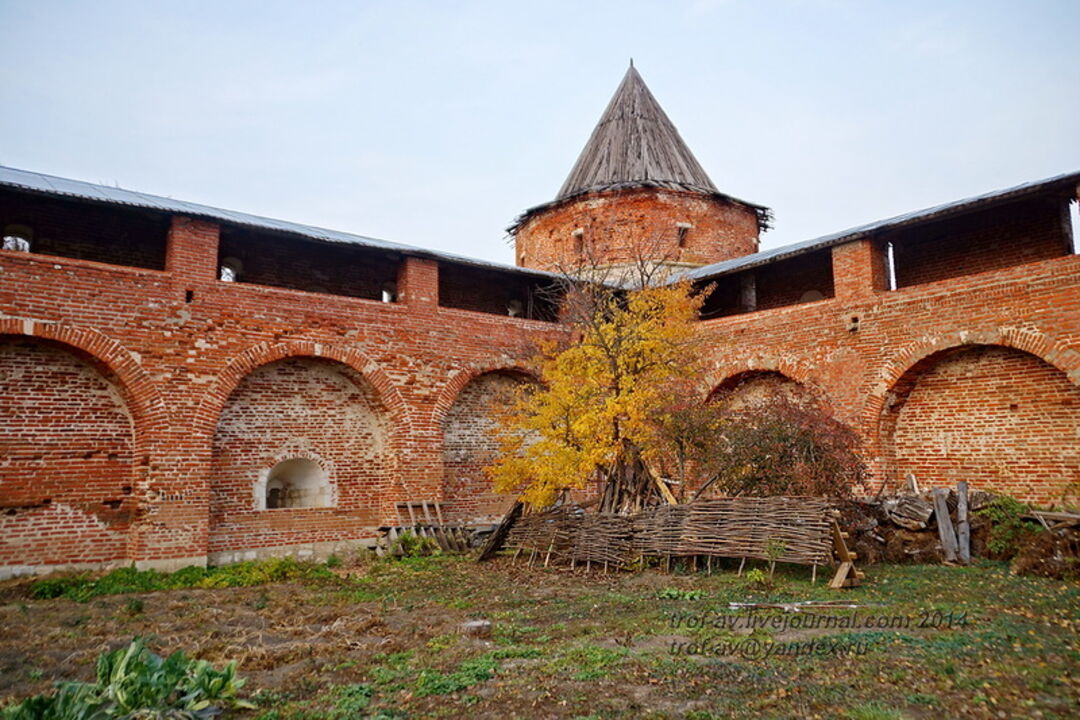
133	682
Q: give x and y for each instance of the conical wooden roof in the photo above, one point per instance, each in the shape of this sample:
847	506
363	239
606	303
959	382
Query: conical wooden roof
635	144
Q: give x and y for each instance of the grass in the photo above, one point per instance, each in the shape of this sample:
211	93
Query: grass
83	587
383	639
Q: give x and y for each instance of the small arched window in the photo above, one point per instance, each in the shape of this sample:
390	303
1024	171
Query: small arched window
297	483
812	296
18	238
514	308
230	270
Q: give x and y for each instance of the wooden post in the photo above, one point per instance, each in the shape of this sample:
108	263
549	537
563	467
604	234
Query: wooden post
963	528
944	524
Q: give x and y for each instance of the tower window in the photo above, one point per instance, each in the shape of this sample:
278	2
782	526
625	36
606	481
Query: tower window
682	228
579	240
389	292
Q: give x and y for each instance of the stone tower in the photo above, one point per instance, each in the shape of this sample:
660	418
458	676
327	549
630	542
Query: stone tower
636	193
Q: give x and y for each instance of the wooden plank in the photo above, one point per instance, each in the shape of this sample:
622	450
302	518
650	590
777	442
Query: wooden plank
944	523
665	491
963	528
841	575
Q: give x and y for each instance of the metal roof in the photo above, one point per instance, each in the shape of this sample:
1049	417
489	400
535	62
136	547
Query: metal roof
1066	183
58	186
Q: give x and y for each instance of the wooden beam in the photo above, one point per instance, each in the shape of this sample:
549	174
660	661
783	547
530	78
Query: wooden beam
963	528
944	524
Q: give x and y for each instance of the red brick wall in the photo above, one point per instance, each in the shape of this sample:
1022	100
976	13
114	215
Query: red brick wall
997	417
83	230
178	344
988	240
308	408
289	262
619	225
470	444
66	444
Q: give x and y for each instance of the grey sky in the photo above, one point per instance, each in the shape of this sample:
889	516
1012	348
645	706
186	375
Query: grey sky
436	123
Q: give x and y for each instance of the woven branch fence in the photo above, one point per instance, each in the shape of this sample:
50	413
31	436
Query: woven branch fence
797	527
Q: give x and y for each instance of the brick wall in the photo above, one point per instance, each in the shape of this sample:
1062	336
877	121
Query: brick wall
83	230
66	449
618	226
288	262
307	408
470	444
979	242
997	416
198	362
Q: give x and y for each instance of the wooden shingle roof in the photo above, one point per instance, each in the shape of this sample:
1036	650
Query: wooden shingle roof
635	144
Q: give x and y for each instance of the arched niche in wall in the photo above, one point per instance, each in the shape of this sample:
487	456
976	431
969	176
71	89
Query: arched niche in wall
995	416
68	444
470	443
313	432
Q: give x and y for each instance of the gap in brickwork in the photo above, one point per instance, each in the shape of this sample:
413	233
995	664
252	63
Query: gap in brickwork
988	240
497	292
83	230
286	261
798	280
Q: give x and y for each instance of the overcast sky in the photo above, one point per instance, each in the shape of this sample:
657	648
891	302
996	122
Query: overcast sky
436	123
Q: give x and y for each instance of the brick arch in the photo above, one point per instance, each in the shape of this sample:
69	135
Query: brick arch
264	353
916	369
463	376
147	405
466	438
1047	349
797	372
147	408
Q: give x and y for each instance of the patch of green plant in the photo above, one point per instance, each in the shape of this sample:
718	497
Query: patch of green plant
470	672
393	670
671	593
442	642
874	711
1007	526
82	587
133	682
409	545
588	662
758	579
352	699
333	561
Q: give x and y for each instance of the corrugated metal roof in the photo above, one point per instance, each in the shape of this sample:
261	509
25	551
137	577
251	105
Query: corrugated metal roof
1065	183
52	185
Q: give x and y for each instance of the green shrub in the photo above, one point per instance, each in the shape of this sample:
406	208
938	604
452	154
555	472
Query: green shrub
134	682
1007	527
671	593
409	544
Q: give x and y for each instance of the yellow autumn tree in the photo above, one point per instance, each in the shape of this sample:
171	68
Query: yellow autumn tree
607	395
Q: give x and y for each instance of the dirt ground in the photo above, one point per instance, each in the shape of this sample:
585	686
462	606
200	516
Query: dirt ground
383	639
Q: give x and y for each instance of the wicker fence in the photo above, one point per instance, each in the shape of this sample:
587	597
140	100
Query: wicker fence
798	528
